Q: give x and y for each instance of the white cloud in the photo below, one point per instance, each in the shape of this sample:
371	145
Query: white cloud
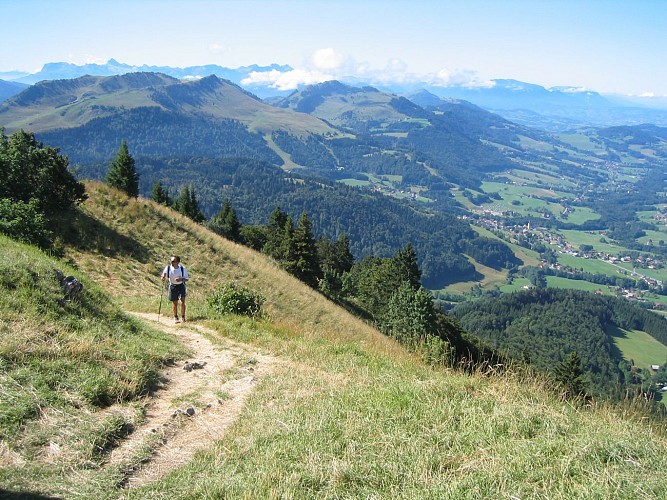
216	48
462	78
326	64
288	80
323	65
327	59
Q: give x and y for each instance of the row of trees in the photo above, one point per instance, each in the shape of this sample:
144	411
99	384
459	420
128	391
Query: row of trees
122	174
376	224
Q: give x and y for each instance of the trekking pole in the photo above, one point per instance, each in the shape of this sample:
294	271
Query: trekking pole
160	308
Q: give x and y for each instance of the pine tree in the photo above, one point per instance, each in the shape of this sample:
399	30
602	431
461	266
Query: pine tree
122	174
306	262
187	204
410	316
160	195
344	257
285	253
275	233
32	171
571	376
406	267
225	223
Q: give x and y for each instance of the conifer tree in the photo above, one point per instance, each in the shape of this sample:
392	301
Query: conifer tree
410	315
122	174
335	257
284	253
160	195
306	265
406	267
187	204
275	233
31	171
225	223
570	375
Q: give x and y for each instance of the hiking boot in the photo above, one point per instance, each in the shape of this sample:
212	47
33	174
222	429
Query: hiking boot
183	320
176	320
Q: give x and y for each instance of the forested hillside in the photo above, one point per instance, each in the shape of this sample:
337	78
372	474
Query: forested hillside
544	326
375	224
98	405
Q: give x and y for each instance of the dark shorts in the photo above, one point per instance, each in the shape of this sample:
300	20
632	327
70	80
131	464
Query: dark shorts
177	292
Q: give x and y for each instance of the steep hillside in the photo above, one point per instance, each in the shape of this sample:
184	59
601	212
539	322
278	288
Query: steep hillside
546	325
125	243
343	412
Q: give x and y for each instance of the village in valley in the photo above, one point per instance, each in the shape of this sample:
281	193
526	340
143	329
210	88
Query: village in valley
640	273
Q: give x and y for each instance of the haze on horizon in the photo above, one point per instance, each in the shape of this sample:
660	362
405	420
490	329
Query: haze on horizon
610	46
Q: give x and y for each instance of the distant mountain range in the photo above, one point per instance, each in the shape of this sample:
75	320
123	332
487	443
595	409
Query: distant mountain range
555	109
9	89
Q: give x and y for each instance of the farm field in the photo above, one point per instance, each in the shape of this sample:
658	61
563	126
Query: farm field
517	284
558	282
534	177
582	141
527	256
579	215
640	347
588	265
655	236
530	200
578	238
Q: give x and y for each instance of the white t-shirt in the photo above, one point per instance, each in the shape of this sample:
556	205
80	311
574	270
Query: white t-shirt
175	272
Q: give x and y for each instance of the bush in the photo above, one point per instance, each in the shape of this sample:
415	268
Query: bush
230	298
23	222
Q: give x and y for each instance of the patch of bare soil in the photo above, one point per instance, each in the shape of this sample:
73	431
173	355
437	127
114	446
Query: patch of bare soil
199	399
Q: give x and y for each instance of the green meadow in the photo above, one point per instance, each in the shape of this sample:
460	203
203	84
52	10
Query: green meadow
640	347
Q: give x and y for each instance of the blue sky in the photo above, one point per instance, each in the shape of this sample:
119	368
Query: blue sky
604	45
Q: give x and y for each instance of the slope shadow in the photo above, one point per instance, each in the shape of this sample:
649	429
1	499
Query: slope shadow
86	233
7	494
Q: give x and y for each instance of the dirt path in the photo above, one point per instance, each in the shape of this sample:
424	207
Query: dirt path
198	401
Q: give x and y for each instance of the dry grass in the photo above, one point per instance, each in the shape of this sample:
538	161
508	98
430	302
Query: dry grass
133	278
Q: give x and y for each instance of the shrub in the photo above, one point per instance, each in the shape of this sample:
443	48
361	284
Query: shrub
230	298
24	222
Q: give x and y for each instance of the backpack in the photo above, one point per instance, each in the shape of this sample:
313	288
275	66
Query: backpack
70	285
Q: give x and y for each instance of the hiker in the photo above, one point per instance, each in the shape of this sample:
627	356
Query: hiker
177	276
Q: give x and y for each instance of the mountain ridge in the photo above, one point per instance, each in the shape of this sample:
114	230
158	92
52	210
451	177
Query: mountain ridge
82	99
581	107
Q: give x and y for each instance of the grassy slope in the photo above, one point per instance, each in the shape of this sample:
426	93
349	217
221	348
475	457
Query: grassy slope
348	413
61	365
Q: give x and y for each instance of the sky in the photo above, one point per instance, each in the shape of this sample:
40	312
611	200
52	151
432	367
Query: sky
608	46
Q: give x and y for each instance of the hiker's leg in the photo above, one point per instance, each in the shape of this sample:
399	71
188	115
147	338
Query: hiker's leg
174	306
183	307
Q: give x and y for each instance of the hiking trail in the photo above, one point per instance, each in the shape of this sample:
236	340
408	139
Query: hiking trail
198	400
